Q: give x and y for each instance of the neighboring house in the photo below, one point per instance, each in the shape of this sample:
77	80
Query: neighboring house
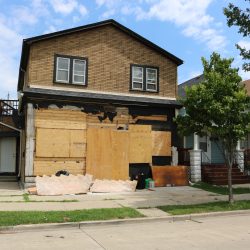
212	161
246	144
90	97
9	140
211	148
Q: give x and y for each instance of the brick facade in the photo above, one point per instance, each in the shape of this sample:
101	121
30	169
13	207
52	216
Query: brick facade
110	52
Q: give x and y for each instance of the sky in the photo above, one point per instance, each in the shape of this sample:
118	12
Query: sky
188	29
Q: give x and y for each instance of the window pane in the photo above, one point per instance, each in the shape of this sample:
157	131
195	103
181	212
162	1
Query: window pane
79	66
137	72
78	79
62	75
137	85
151	86
63	63
137	80
151	75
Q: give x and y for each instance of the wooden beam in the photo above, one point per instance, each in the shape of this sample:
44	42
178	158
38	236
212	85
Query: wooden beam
30	137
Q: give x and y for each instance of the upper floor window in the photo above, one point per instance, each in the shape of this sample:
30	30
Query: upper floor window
144	78
70	69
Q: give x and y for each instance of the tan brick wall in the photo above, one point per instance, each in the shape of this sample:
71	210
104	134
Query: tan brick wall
110	53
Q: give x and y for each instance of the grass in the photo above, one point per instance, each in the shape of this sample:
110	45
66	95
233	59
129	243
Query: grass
26	197
11	218
206	207
220	189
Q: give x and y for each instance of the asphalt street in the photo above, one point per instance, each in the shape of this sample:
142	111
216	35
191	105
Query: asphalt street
225	232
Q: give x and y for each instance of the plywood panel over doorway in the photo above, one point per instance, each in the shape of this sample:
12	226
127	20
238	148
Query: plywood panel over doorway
107	153
140	150
8	155
161	143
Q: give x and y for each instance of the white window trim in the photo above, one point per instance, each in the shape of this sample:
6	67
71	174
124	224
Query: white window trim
150	83
76	82
137	81
57	69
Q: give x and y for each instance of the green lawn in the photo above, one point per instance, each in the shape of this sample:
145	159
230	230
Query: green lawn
206	207
220	189
11	218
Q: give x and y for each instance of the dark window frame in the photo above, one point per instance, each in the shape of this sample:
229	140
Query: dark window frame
71	58
144	83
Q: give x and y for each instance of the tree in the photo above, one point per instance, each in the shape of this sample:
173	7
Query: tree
241	18
218	106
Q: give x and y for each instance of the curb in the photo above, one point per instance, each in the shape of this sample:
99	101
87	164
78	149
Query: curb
70	225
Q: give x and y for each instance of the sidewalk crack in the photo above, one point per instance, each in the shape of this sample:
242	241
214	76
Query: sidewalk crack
92	238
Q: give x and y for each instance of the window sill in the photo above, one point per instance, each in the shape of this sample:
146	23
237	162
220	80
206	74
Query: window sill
70	84
145	91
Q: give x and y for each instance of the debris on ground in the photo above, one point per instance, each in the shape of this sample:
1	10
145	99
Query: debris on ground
112	186
63	184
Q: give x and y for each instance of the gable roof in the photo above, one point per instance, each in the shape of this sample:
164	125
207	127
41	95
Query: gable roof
27	42
198	79
194	81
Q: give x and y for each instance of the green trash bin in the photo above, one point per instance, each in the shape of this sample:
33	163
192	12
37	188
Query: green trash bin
147	182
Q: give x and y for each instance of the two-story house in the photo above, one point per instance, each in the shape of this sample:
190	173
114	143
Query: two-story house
98	99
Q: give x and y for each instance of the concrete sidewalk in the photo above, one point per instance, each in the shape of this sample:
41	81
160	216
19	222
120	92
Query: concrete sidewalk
11	199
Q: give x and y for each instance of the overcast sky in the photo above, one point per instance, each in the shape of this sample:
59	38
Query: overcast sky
188	29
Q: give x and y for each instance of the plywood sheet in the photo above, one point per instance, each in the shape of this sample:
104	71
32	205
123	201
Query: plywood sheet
140	150
151	118
170	175
78	141
140	128
60	143
43	167
59	118
107	153
120	155
161	143
52	143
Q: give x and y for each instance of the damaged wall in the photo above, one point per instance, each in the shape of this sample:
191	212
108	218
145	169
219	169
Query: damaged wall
60	141
101	140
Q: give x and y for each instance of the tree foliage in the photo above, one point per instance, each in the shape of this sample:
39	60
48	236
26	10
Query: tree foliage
241	18
218	106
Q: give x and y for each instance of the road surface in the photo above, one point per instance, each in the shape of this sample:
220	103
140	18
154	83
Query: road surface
231	232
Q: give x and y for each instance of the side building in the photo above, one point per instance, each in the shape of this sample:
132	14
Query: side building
212	167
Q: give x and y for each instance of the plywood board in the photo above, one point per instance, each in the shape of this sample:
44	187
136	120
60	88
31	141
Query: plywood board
60	143
107	153
162	118
52	142
98	164
170	175
78	141
51	167
140	128
60	118
140	150
161	143
120	155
